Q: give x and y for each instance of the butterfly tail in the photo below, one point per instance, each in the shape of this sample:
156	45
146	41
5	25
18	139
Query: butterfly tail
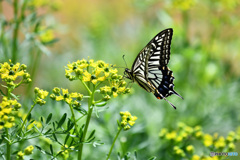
160	96
174	92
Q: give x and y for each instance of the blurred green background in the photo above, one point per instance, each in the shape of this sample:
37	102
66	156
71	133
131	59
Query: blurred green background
204	60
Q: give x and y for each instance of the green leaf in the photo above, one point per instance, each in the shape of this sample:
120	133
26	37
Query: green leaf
70	125
97	143
91	136
49	118
51	42
118	156
135	155
41	119
51	149
40	149
32	121
152	158
48	131
54	127
66	139
96	112
62	120
2	92
54	136
29	117
44	49
14	96
101	104
81	110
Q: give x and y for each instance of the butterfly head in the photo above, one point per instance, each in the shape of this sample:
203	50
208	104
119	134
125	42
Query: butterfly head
128	74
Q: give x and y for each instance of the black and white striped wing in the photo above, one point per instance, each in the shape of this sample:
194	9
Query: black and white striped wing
156	53
139	69
159	75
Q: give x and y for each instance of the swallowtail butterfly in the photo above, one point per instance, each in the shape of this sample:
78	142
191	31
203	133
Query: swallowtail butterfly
150	69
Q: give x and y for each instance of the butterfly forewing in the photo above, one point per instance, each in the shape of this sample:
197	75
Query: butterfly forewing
150	69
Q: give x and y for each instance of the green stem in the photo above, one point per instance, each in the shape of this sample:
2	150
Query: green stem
15	32
90	109
26	118
75	122
89	92
8	156
110	151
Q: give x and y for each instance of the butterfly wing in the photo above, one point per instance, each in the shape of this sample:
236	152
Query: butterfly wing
158	74
139	69
150	69
155	53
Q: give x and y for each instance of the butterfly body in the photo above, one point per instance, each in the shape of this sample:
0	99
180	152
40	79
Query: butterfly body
150	69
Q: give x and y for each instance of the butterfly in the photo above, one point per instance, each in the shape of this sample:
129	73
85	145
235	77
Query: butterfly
150	69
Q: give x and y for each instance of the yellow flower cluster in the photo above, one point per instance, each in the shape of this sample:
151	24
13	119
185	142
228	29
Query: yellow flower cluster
7	107
46	35
96	73
27	151
54	4
69	98
40	96
10	72
127	120
184	133
183	4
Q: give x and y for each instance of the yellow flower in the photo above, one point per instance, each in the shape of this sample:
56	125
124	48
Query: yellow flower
190	148
197	128
171	135
220	143
10	72
231	146
20	155
7	108
46	34
179	139
183	4
195	157
69	98
178	151
28	150
207	140
199	134
87	76
127	118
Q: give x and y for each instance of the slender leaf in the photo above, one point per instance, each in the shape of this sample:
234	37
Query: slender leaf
62	120
29	117
51	149
135	155
54	127
55	137
49	118
101	104
48	131
14	96
152	158
41	119
66	139
2	92
91	135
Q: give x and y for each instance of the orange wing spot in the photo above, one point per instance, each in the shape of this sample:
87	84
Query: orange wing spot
158	98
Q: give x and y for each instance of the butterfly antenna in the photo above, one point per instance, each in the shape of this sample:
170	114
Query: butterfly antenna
124	60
